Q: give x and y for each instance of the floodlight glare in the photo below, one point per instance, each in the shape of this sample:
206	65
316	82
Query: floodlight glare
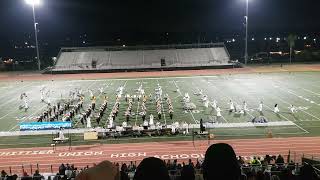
246	39
33	2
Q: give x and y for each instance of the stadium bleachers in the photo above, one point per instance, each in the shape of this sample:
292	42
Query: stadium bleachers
126	58
153	57
142	58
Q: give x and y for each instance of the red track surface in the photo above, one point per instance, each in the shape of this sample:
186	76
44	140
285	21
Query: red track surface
182	150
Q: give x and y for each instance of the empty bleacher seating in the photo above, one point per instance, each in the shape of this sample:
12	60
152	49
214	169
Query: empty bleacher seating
79	59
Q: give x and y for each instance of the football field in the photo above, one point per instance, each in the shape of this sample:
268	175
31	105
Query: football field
301	89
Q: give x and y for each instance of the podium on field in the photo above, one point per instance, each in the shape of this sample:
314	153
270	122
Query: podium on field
90	135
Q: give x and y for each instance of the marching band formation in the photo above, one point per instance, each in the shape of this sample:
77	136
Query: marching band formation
72	107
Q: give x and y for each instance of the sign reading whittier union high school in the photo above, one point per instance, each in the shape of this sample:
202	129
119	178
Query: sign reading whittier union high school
107	155
98	153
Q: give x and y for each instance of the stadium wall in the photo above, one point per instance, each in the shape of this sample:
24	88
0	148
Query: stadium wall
48	71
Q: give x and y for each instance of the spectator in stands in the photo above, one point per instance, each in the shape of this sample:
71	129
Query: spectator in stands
260	175
191	163
3	174
37	175
152	169
169	164
103	171
62	169
124	172
280	160
174	164
286	174
221	163
267	175
241	161
307	172
266	160
68	172
275	177
132	167
187	173
25	176
198	165
255	161
14	177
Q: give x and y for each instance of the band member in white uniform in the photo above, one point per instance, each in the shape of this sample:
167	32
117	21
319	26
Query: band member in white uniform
151	120
245	108
260	107
110	122
276	109
89	122
26	105
61	135
218	111
101	90
293	109
91	94
206	104
41	97
124	124
214	104
231	106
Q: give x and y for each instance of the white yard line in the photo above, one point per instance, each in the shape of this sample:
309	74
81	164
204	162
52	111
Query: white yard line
7	114
221	114
287	90
299	109
182	96
88	88
13	99
162	108
139	79
288	120
229	98
315	85
16	89
125	83
305	131
311	91
137	113
28	117
135	123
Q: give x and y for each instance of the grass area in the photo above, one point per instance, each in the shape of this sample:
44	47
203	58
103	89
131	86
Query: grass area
302	89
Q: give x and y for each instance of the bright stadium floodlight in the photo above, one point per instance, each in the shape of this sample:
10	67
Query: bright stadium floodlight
34	3
246	40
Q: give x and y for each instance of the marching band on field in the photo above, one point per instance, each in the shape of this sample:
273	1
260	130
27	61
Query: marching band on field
73	106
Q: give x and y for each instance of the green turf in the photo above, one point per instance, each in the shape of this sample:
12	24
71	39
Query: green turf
300	89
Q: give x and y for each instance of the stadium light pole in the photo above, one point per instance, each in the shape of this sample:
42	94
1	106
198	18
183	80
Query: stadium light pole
34	3
246	39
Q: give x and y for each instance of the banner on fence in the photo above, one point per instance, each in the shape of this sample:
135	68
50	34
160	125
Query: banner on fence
33	126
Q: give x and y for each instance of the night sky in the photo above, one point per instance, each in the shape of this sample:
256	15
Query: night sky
59	18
